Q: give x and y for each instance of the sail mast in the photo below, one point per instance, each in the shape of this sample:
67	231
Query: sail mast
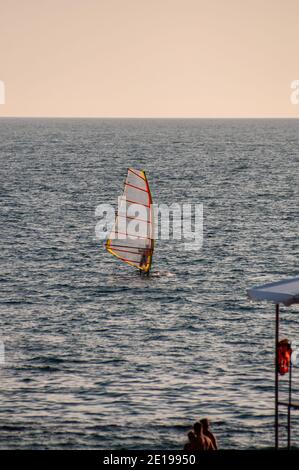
151	220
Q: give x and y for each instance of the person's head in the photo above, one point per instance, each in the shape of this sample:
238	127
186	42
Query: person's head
197	428
205	423
191	436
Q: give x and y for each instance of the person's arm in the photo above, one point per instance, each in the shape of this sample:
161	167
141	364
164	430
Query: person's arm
214	441
210	444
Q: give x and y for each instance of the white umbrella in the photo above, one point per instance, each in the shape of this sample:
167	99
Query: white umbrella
282	292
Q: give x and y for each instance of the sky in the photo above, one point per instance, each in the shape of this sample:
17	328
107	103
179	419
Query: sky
149	58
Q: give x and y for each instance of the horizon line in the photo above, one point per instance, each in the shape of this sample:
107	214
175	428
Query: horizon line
149	117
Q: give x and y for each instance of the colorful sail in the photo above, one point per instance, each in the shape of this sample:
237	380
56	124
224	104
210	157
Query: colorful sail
132	237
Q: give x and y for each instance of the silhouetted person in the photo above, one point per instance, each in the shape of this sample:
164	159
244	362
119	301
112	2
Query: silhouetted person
206	431
143	262
203	441
192	443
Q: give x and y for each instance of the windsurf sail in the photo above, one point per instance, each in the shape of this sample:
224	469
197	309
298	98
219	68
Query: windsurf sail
132	236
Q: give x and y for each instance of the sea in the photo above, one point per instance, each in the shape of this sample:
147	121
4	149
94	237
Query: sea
93	356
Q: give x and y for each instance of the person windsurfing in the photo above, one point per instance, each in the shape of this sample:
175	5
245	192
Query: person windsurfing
143	262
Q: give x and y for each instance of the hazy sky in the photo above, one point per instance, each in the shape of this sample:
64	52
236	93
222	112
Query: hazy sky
139	58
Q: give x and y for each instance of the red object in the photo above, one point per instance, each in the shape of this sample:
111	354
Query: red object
284	356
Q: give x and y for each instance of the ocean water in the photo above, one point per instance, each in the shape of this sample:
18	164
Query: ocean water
97	357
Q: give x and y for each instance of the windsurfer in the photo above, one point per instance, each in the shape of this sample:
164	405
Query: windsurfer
144	261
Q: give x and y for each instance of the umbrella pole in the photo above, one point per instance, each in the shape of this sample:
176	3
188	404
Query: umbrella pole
289	407
276	374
